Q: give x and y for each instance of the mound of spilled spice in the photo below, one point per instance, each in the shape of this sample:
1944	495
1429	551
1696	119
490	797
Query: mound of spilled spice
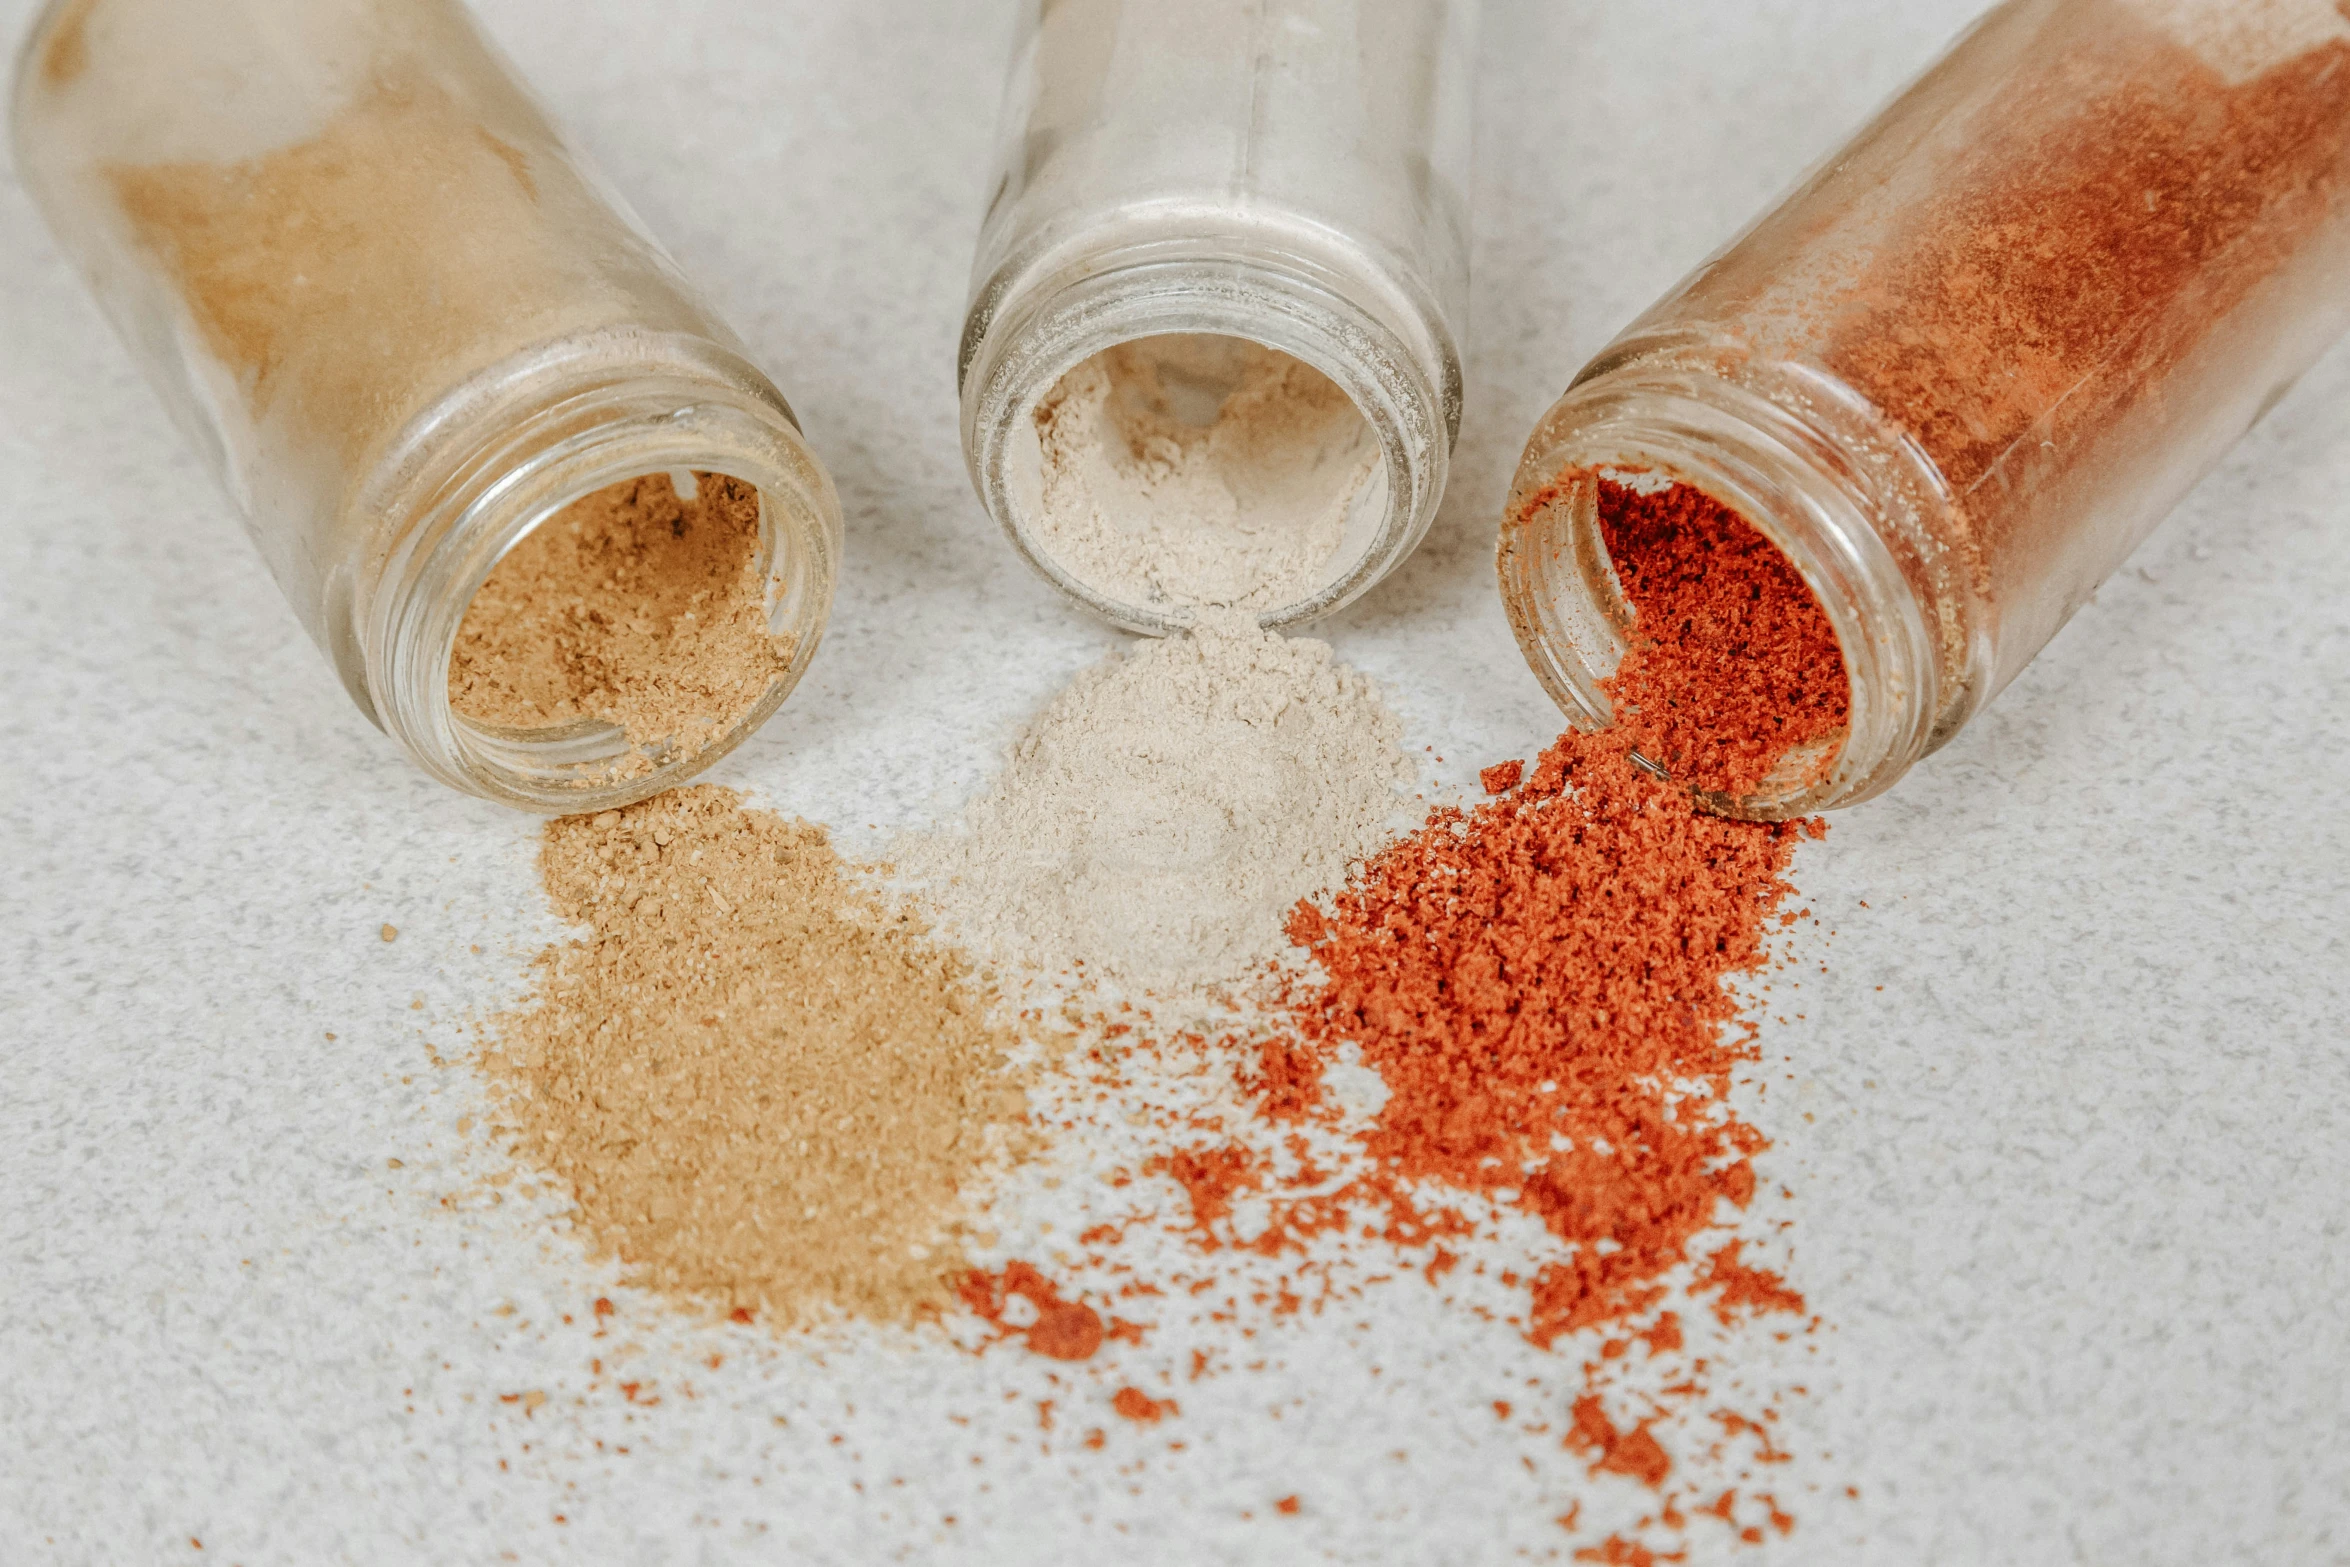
1152	826
1739	673
1539	983
767	1088
641	606
1542	988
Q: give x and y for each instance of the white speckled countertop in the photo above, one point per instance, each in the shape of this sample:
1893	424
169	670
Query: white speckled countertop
2064	1119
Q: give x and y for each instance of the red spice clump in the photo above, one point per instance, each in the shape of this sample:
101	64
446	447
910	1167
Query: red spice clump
1140	1407
1063	1329
1538	982
1735	664
1211	1178
1756	1288
1634	1452
1501	777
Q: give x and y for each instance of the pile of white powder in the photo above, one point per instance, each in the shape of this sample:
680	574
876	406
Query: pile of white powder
1159	819
1190	471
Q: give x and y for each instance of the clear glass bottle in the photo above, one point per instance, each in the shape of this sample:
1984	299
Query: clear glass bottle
1181	179
405	323
1969	364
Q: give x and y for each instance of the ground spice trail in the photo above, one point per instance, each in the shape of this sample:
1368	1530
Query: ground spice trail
1539	983
1542	985
768	1089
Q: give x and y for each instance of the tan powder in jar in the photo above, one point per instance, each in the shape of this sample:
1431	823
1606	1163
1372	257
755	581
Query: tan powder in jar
768	1088
641	605
349	278
1191	471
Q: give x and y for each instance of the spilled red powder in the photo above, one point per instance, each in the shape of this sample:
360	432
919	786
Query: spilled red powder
1616	1551
1539	984
1287	1506
1210	1177
1737	663
1063	1329
1634	1453
1140	1407
1757	1289
1501	777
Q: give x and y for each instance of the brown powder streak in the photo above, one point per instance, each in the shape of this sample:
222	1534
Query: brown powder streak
67	54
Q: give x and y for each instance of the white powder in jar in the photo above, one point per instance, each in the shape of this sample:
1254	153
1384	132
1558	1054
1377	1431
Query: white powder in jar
1190	471
1159	819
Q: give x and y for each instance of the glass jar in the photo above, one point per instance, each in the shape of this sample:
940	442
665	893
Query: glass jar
1239	229
406	324
1969	364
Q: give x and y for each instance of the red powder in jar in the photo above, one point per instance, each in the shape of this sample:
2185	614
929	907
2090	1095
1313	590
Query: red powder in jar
2099	226
1738	665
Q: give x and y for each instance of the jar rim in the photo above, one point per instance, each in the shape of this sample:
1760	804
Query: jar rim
1023	337
1759	460
464	512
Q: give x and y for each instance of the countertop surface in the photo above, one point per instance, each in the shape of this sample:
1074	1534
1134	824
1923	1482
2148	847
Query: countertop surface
2063	1120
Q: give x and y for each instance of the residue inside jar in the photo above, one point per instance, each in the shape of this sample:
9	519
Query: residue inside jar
1189	471
1734	681
642	606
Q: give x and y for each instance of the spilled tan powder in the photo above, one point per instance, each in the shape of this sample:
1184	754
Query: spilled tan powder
1194	470
1159	818
636	605
768	1088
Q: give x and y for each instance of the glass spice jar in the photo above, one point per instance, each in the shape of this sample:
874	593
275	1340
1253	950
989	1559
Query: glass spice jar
1212	356
407	325
1969	364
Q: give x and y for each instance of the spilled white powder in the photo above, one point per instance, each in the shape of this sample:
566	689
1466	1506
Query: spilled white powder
1190	471
1161	816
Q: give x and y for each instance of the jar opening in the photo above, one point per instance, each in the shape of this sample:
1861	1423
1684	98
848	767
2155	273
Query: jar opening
1190	470
623	633
1729	673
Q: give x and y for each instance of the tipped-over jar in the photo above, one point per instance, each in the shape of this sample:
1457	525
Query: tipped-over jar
1969	364
1211	359
426	350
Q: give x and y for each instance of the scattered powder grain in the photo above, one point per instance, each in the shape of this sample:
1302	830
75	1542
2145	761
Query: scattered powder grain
768	1089
1158	819
636	606
1188	471
1059	1329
